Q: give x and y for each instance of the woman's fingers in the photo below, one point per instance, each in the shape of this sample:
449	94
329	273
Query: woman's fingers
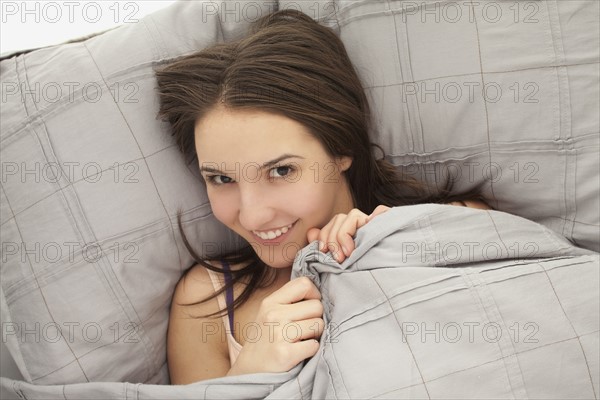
378	210
302	330
302	350
332	238
312	328
340	238
294	291
312	235
298	311
471	204
338	235
347	230
477	204
324	234
288	321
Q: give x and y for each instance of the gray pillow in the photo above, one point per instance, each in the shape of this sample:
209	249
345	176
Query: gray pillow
459	92
91	180
91	186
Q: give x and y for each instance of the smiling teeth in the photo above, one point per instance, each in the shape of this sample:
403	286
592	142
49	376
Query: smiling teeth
269	235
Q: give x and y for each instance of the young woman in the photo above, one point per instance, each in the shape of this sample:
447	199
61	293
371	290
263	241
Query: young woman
279	123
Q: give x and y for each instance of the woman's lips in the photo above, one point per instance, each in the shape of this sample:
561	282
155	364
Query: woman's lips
275	236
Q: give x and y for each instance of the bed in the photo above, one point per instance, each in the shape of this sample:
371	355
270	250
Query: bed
91	184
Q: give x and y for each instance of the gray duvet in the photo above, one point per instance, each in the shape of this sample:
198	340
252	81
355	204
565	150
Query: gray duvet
436	301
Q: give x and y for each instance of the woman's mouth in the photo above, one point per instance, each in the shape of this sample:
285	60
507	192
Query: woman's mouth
274	236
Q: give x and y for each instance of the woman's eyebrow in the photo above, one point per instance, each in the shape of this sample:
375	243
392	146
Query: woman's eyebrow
279	159
211	167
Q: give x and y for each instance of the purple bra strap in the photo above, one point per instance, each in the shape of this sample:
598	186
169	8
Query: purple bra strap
228	294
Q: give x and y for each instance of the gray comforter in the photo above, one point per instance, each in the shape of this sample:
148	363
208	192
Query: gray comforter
435	302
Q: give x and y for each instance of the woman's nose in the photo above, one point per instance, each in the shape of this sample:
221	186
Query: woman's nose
256	209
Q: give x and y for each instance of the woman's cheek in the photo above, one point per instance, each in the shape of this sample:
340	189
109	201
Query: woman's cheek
222	206
311	202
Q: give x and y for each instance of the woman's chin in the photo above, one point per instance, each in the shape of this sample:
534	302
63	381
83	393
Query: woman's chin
279	255
278	262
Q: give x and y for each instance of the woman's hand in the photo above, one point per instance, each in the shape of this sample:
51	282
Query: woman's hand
289	321
338	235
472	204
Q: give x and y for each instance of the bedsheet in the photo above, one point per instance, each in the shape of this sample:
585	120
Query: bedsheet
436	301
101	252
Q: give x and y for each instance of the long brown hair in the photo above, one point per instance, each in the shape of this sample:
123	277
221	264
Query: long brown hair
293	66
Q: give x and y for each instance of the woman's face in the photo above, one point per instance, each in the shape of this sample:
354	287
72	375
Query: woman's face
269	179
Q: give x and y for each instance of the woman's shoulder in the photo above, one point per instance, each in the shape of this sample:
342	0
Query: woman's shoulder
195	332
197	284
194	286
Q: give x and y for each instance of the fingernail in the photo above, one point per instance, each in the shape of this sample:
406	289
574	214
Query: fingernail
321	246
345	251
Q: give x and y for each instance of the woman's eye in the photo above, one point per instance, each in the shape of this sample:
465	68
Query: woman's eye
280	172
219	179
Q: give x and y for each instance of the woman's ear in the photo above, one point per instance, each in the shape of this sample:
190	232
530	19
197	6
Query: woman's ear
344	163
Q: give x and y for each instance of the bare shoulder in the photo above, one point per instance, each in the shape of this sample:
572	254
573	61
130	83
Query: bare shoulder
196	344
194	287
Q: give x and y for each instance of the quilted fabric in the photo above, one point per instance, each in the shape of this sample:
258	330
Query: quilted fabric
459	93
91	186
423	309
91	181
